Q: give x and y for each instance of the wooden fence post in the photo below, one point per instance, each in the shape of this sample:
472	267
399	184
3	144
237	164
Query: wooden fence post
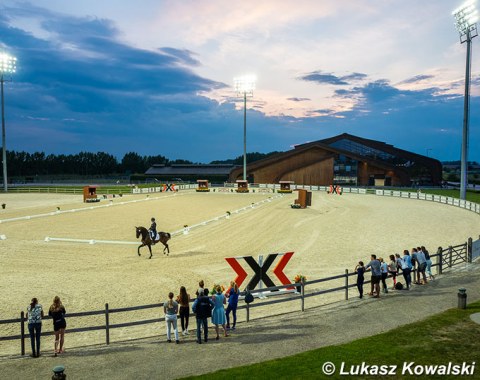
302	293
469	250
450	256
107	324
440	260
22	332
346	284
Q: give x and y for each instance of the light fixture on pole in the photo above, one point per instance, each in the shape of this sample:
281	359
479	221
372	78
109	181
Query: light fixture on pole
245	85
7	66
466	17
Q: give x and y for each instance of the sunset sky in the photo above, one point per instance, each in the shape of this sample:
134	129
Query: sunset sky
156	77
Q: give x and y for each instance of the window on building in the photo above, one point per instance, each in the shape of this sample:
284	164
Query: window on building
345	170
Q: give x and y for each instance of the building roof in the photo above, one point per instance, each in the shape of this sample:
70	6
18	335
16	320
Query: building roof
190	169
377	153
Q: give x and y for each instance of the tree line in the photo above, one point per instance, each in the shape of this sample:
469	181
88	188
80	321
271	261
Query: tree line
23	164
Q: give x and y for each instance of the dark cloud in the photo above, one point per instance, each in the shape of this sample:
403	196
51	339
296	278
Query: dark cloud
321	78
354	77
295	99
329	78
416	78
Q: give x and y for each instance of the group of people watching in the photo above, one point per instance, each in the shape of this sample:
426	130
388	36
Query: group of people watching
418	258
203	307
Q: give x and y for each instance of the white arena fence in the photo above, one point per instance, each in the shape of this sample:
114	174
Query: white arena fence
229	187
341	284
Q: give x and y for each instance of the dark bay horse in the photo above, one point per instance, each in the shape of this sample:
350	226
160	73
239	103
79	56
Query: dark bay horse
147	240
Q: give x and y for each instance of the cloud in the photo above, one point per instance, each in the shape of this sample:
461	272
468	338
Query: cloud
329	78
298	99
321	78
416	79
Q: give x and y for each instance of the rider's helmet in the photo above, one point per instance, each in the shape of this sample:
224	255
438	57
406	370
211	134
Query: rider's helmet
153	219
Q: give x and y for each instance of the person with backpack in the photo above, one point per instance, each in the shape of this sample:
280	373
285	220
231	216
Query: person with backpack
202	307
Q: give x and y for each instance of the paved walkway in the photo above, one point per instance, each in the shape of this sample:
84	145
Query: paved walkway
257	341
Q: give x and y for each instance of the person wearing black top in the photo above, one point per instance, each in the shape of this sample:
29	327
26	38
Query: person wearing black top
202	307
57	312
153	229
360	269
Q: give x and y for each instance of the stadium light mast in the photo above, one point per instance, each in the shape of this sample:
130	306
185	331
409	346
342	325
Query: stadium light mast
244	86
8	65
466	17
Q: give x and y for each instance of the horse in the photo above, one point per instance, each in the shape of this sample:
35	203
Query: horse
147	240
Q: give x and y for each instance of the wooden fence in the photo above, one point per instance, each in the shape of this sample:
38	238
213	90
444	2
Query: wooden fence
444	259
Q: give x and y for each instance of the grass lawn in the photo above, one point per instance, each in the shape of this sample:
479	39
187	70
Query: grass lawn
447	337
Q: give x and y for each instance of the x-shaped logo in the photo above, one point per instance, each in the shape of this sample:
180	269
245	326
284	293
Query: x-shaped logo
169	187
260	271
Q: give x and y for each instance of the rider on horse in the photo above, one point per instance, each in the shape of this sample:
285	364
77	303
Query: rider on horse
153	230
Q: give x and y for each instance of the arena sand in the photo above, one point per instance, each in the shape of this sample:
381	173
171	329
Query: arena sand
330	236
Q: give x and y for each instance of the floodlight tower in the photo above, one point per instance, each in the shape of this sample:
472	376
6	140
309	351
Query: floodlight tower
466	17
8	65
245	85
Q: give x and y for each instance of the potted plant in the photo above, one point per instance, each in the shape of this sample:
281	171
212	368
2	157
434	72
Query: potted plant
299	278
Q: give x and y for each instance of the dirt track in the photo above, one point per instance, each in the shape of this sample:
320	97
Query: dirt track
327	238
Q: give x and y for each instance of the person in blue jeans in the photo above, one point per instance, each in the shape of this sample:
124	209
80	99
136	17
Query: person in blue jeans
34	316
232	296
202	307
407	267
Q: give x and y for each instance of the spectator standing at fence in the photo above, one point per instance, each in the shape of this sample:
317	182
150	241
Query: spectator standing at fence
171	309
429	263
374	264
232	295
202	307
183	300
57	312
360	270
384	270
392	269
218	313
201	285
407	268
422	266
34	316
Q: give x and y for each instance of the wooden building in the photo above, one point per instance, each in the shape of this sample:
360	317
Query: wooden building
345	160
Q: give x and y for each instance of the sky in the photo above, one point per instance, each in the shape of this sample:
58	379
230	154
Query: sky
156	77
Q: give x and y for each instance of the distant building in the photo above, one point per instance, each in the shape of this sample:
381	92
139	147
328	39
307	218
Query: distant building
214	173
346	160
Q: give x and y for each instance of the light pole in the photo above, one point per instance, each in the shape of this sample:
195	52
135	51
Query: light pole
7	66
245	85
465	22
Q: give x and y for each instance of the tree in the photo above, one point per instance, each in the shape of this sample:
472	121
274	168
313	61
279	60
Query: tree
132	162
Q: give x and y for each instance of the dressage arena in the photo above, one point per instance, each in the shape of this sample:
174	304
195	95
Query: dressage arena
327	238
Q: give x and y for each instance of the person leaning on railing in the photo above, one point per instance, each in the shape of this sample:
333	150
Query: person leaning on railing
35	315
